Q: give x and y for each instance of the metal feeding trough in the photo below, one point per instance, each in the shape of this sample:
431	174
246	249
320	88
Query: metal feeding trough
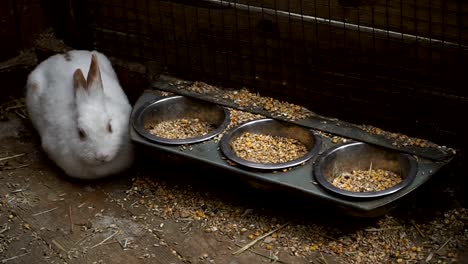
271	127
175	108
360	156
310	175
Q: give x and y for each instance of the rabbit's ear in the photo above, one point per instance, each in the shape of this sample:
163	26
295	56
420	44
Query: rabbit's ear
79	85
94	74
79	81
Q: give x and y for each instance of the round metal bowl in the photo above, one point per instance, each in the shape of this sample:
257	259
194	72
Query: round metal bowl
177	107
271	127
360	156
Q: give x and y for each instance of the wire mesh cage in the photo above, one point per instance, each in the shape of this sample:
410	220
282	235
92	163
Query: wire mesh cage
386	62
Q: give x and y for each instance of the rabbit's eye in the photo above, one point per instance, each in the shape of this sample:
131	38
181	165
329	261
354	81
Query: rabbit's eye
82	134
109	127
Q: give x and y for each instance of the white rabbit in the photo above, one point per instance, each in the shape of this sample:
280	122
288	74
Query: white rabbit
83	123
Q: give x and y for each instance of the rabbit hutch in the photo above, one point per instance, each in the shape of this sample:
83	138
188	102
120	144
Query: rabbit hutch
292	131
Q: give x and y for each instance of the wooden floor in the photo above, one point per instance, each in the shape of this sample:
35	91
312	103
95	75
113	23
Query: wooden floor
48	218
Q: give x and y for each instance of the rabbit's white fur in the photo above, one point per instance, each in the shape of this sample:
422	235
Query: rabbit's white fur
59	108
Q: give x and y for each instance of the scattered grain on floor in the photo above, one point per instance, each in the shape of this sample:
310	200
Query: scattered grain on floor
387	240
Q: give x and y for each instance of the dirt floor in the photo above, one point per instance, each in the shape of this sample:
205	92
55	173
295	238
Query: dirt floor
163	212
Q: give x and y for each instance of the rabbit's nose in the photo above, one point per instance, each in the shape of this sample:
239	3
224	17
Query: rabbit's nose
102	157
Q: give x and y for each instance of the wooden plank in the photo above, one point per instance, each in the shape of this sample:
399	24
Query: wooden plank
164	16
438	23
290	59
413	17
185	29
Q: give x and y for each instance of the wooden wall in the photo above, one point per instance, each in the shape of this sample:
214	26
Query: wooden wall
323	60
7	30
20	23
